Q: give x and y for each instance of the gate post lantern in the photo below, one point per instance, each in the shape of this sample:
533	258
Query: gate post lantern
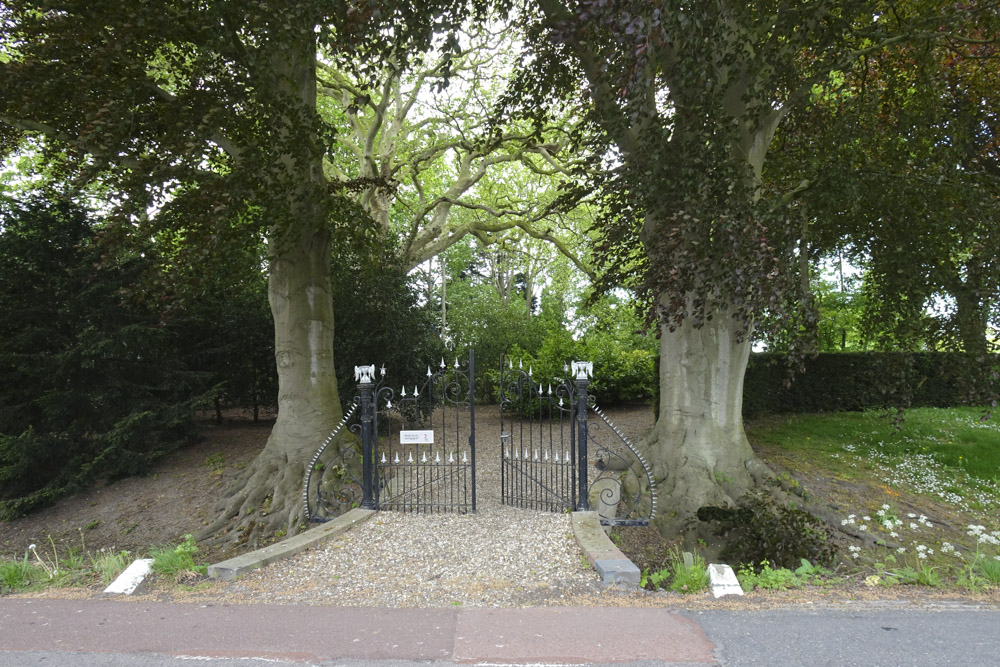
365	376
582	372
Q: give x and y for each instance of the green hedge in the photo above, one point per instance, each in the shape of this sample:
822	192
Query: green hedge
836	382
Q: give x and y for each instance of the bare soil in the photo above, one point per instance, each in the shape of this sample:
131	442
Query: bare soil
176	498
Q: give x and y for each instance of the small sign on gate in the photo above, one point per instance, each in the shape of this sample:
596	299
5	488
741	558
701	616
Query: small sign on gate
416	437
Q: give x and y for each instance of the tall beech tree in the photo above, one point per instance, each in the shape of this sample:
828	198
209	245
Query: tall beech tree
434	170
685	99
206	113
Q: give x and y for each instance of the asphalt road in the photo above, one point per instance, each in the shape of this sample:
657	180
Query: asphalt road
94	633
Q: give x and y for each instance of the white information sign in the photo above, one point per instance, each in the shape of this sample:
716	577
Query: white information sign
416	437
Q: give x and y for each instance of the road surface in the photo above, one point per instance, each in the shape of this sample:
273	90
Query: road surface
92	633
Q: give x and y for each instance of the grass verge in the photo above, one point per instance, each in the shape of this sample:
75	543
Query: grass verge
917	506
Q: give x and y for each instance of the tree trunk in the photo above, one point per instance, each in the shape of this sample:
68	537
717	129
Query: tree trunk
971	319
266	498
698	448
265	501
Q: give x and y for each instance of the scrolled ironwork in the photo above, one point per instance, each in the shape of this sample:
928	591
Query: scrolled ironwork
622	491
538	441
428	477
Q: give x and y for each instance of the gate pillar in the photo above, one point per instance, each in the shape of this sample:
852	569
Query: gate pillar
582	372
364	376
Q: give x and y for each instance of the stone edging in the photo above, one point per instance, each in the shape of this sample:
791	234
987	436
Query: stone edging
601	552
232	568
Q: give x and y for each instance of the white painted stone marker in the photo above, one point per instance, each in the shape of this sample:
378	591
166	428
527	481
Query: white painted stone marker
724	581
129	580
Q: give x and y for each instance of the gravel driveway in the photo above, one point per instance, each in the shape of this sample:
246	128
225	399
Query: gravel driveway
497	557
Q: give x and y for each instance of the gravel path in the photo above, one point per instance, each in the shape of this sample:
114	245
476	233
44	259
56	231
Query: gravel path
497	557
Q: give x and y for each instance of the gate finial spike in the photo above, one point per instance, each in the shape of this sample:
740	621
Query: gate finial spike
415	392
451	457
465	458
520	364
423	458
437	457
388	405
382	370
550	389
529	371
383	458
510	364
403	392
442	363
429	371
396	460
456	362
409	459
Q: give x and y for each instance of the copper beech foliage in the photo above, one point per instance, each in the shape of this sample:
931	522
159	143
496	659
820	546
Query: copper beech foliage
684	101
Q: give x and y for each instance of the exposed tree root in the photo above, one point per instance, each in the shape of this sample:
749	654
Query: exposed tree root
263	503
686	485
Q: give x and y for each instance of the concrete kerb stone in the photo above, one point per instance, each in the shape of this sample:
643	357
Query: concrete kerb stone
601	552
232	568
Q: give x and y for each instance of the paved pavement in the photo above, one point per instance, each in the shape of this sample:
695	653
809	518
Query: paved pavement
96	633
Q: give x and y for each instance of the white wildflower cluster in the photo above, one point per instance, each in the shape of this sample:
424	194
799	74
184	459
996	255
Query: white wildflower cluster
852	520
855	551
921	520
983	537
888	520
923	473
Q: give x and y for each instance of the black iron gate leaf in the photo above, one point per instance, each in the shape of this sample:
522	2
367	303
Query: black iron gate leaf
417	447
426	442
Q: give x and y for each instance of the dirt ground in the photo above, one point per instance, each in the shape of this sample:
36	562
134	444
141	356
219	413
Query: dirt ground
137	513
178	495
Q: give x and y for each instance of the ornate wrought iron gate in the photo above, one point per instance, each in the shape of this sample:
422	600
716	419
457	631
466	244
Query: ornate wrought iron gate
538	436
557	457
411	451
415	450
425	443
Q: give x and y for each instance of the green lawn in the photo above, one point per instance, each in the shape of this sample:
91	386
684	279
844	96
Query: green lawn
923	499
955	439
